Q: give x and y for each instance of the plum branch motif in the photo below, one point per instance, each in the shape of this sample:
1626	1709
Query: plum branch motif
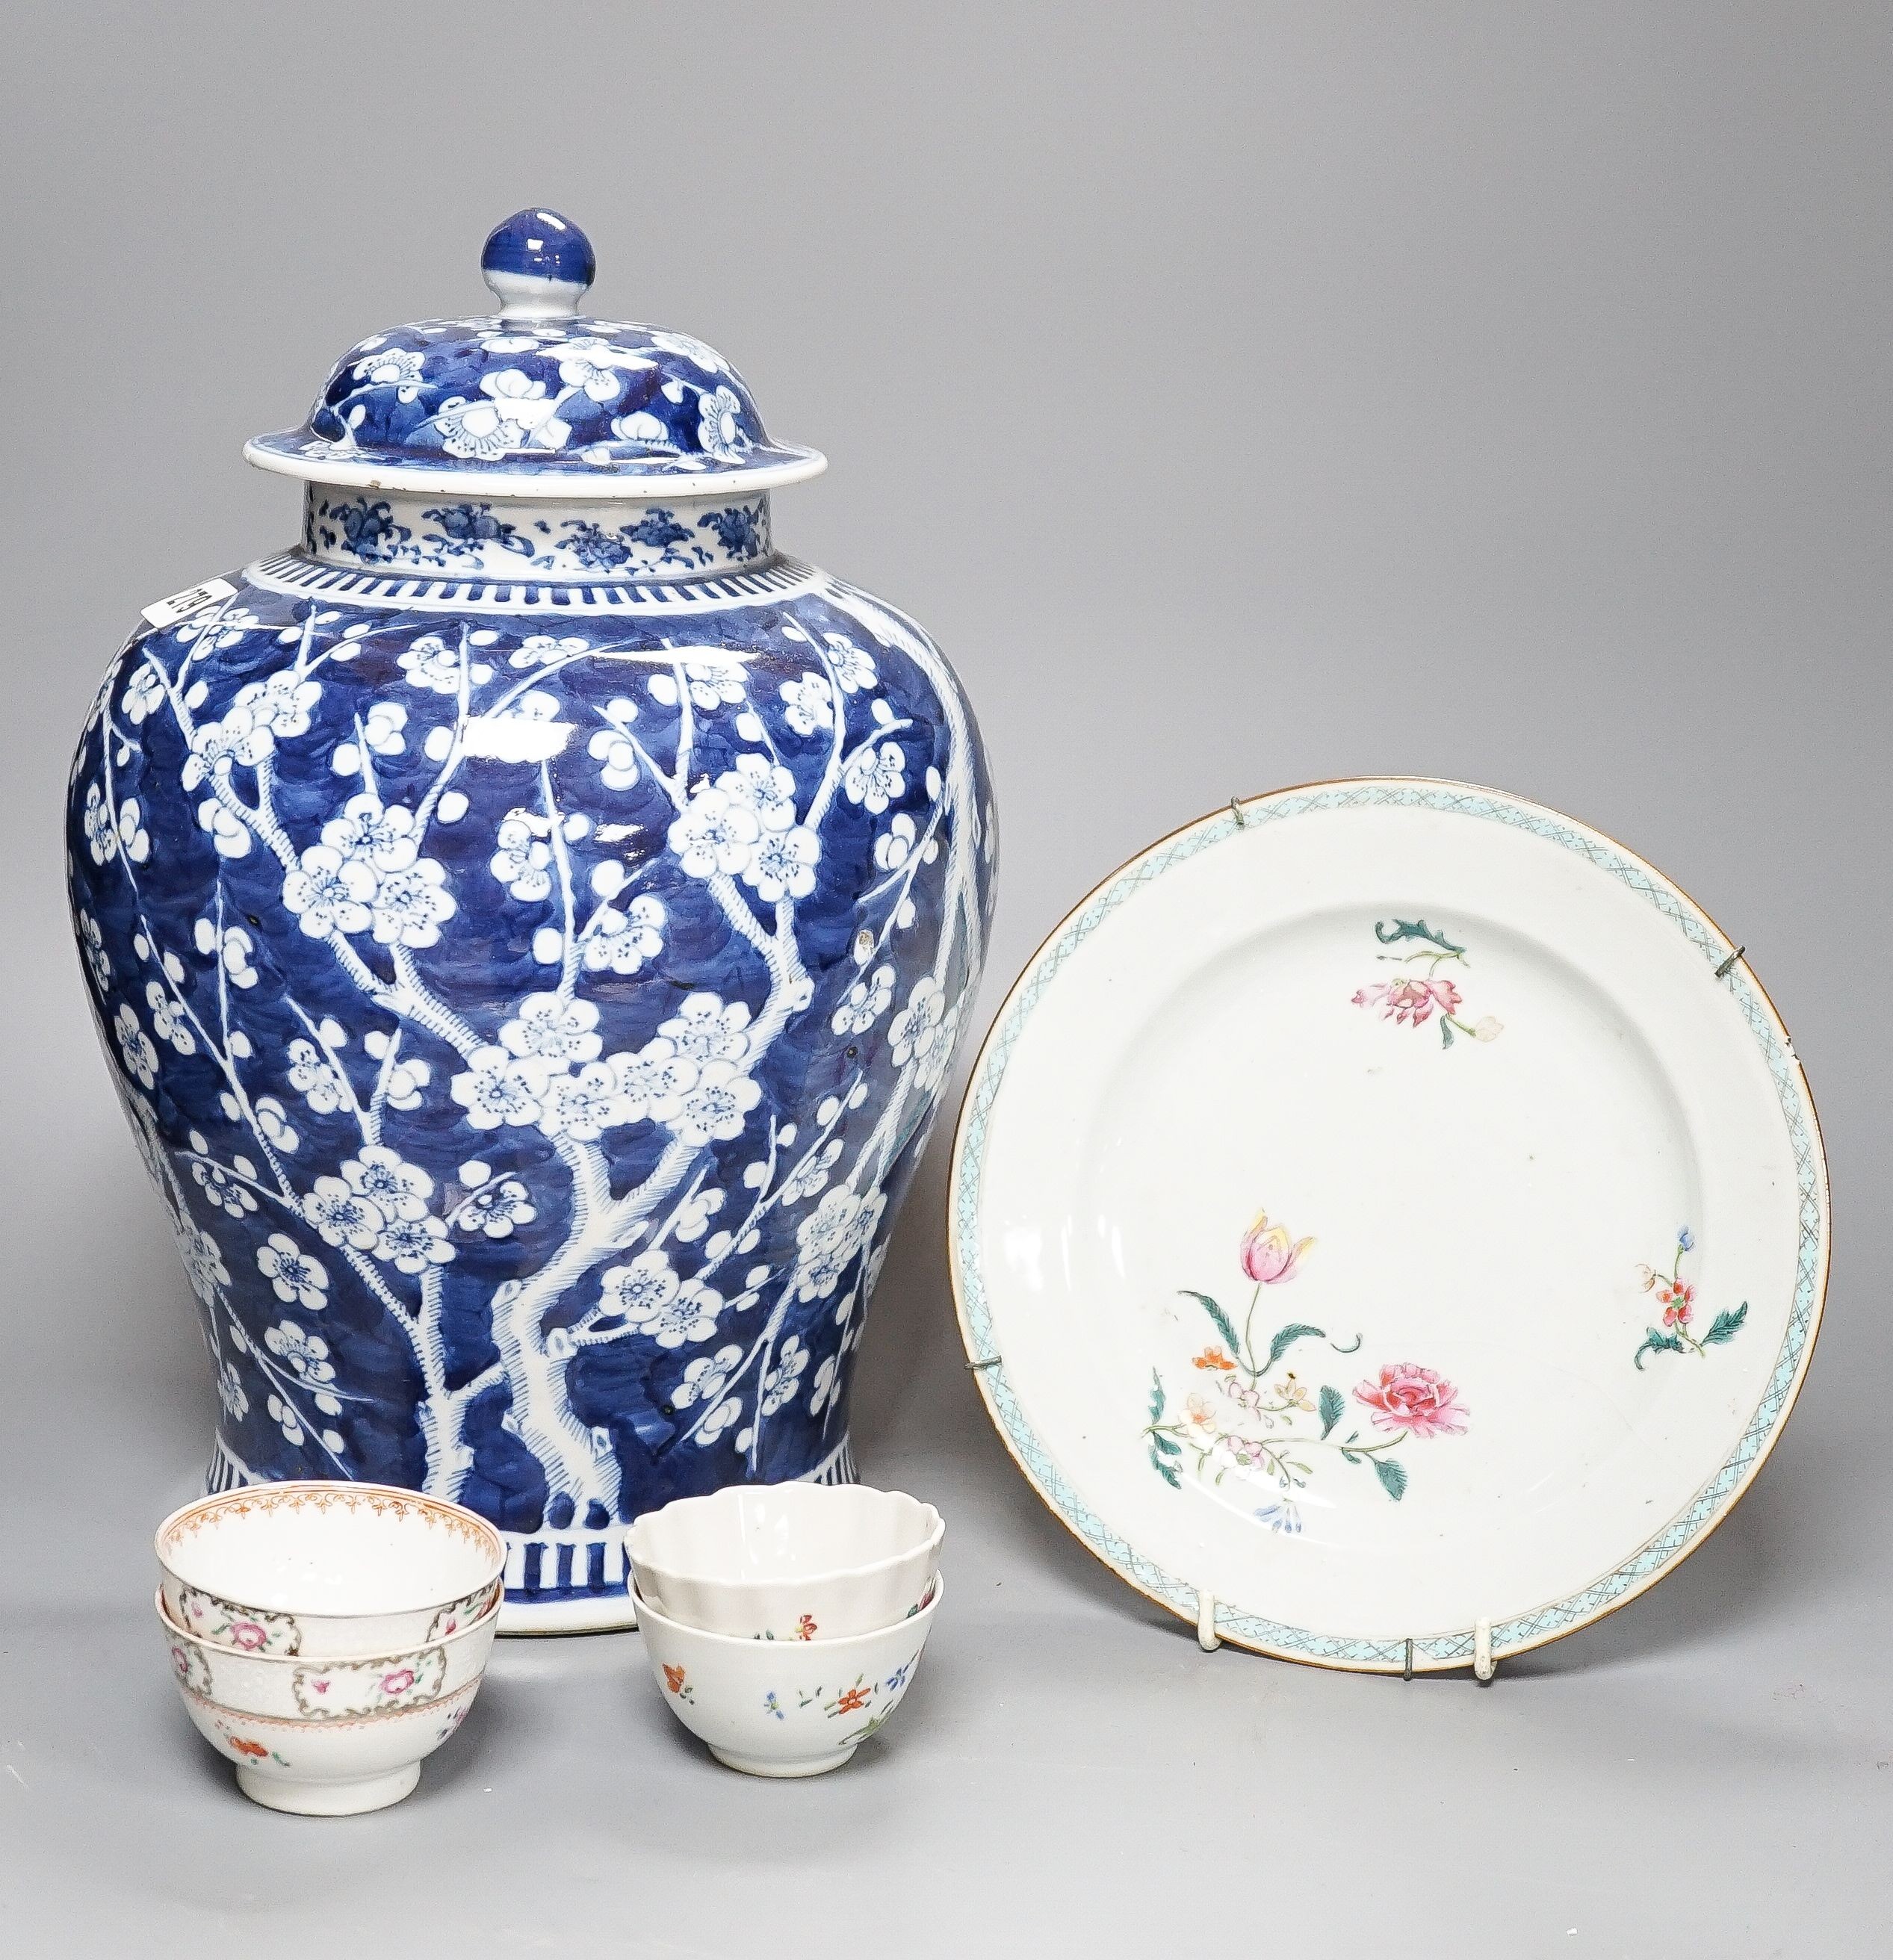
668	1202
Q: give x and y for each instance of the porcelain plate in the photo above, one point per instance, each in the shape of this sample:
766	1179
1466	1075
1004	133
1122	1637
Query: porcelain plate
1388	1219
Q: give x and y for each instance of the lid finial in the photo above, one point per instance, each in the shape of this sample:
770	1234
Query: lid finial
538	264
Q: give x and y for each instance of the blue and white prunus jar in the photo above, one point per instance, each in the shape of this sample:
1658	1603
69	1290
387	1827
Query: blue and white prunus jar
528	924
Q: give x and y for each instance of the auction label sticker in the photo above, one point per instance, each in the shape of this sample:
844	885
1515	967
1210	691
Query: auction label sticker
182	605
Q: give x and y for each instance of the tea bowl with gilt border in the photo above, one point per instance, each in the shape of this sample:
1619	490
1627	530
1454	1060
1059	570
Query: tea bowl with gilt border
329	1737
323	1569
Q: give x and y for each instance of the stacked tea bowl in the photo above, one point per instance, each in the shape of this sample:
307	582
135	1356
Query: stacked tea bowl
327	1636
783	1622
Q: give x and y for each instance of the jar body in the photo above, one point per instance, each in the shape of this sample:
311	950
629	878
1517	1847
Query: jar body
531	1001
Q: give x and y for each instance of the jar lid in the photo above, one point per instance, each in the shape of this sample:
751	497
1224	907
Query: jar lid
535	399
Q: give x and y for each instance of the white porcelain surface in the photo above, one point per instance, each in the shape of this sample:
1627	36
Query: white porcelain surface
777	1708
336	1771
788	1561
321	1569
1379	1217
329	1737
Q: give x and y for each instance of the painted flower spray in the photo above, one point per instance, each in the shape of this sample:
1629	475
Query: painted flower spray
1255	1423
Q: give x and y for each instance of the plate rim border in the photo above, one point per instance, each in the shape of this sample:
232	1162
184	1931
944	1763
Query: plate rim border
1663	1550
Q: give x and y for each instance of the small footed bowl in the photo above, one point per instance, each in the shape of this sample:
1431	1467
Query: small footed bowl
783	1708
329	1737
788	1561
323	1569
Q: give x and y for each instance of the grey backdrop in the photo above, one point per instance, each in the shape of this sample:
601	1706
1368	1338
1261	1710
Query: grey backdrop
1242	395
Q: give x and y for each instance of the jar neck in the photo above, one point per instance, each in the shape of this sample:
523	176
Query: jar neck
580	542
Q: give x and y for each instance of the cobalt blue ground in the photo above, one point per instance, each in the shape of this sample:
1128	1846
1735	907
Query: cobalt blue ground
540	244
482	966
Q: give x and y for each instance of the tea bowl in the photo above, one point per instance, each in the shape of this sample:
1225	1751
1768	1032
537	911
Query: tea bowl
329	1737
783	1708
788	1561
324	1569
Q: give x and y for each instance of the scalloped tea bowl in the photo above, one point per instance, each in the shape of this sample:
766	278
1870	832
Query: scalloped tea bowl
325	1569
788	1561
783	1708
329	1737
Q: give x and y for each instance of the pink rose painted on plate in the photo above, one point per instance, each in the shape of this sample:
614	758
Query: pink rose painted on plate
1415	1399
1262	1422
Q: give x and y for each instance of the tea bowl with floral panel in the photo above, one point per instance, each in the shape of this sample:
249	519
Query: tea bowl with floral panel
785	1708
322	1569
788	1561
329	1737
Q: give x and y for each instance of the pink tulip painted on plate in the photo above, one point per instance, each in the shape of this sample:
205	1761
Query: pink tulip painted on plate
1269	1256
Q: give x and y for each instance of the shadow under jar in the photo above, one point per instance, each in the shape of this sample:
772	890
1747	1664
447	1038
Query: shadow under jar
528	924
